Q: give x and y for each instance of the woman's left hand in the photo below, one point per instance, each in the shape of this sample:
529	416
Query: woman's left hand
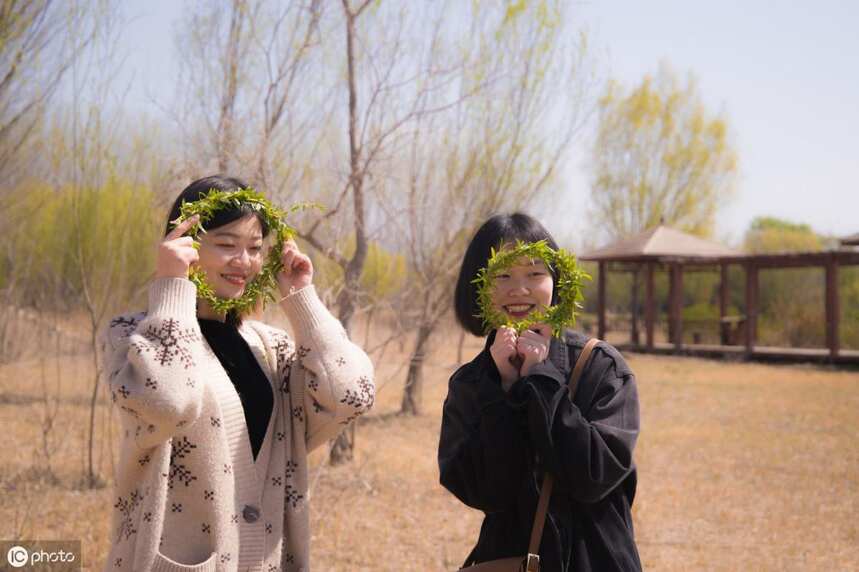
533	346
297	269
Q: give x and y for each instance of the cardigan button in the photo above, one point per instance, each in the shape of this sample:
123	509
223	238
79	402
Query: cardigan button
250	513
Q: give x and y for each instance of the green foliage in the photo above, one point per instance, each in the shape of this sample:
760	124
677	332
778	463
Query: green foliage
769	234
791	307
849	289
659	156
74	243
384	272
264	286
701	312
791	300
569	284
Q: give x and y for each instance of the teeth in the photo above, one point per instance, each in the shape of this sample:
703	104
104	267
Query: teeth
519	307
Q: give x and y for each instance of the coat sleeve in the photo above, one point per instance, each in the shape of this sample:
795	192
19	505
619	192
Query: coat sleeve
334	375
483	452
588	443
151	363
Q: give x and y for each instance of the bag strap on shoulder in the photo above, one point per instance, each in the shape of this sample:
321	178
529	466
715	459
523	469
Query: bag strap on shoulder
546	489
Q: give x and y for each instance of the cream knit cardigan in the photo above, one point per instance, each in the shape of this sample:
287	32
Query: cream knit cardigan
189	495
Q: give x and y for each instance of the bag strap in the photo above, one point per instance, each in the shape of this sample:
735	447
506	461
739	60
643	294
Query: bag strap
546	489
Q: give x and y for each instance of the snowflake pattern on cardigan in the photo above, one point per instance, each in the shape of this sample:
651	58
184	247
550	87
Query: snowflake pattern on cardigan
179	468
171	342
187	484
127	508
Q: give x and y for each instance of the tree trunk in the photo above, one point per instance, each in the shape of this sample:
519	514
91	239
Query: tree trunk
414	379
343	447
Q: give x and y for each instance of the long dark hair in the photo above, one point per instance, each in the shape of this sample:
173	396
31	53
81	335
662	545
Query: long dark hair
498	230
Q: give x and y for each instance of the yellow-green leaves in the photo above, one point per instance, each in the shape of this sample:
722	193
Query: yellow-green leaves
569	285
659	155
264	286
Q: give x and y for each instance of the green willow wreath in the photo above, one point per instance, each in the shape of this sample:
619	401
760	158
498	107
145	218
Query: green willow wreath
264	285
569	285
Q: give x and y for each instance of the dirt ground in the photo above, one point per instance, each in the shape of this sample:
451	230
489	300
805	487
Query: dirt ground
741	467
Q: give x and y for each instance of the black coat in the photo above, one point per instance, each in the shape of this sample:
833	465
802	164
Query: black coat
491	440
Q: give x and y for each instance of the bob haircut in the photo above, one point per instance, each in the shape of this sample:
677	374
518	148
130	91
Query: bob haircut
199	189
499	230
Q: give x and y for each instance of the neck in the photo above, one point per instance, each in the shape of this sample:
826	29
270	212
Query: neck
205	311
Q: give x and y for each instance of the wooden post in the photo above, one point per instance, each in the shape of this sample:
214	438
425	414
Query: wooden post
636	276
603	268
724	327
833	309
676	305
649	305
751	306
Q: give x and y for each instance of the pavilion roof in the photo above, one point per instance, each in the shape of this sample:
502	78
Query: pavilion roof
660	243
852	240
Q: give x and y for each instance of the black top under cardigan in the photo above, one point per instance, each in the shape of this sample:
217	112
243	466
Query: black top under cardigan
491	439
247	376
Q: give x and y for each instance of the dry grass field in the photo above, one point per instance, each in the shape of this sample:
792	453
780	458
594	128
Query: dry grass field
742	467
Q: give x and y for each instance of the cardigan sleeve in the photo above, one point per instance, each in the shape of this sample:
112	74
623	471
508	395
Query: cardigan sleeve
587	443
151	361
336	376
483	452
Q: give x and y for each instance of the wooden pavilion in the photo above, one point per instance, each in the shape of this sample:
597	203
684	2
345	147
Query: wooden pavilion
664	248
848	241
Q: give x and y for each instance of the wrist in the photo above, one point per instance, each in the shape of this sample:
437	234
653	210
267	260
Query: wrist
159	275
507	381
289	287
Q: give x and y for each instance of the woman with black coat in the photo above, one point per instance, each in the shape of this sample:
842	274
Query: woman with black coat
508	418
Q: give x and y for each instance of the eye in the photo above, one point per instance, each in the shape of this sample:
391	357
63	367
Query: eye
224	245
538	273
256	249
502	276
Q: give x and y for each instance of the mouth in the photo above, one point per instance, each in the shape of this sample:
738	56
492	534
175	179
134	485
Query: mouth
236	279
518	310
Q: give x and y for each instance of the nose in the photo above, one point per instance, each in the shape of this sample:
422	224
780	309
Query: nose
518	287
242	259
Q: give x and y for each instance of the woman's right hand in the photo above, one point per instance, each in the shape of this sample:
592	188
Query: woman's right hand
176	253
505	356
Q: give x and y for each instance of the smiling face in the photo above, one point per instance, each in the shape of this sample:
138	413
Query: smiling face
523	288
232	255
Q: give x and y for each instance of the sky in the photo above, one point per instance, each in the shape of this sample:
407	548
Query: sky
784	74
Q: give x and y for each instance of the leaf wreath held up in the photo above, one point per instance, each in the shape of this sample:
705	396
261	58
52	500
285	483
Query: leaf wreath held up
264	286
569	287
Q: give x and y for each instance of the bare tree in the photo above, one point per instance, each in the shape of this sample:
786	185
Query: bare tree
39	42
245	64
400	85
489	153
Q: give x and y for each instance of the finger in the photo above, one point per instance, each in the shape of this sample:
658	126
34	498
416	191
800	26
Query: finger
182	228
186	241
288	256
536	336
530	339
528	335
544	330
300	262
